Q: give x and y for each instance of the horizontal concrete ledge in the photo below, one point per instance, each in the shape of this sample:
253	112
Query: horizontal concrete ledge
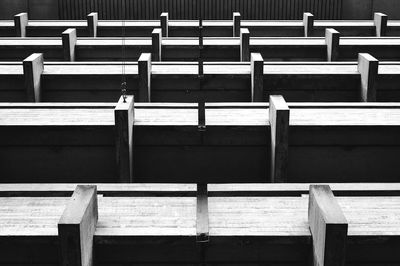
150	221
237	133
187	49
211	27
189	189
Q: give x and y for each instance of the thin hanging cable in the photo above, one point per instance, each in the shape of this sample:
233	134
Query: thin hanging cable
123	53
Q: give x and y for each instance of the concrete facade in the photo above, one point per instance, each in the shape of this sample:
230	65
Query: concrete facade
37	9
364	9
49	9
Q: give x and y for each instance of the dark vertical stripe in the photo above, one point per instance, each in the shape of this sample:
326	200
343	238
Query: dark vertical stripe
69	9
190	9
60	15
106	9
155	9
253	9
184	10
210	9
110	9
224	7
179	8
72	9
81	8
320	9
113	4
272	9
84	8
139	9
220	9
76	9
257	7
210	5
65	9
101	7
132	9
61	9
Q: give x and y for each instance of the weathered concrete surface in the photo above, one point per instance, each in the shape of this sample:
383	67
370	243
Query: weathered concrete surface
43	9
364	9
9	8
48	9
38	9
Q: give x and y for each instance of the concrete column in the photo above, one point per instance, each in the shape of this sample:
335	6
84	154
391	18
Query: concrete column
368	69
236	24
328	227
156	39
20	23
77	226
244	45
144	67
308	21
164	24
92	21
257	77
124	114
332	38
279	123
69	43
380	20
33	69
